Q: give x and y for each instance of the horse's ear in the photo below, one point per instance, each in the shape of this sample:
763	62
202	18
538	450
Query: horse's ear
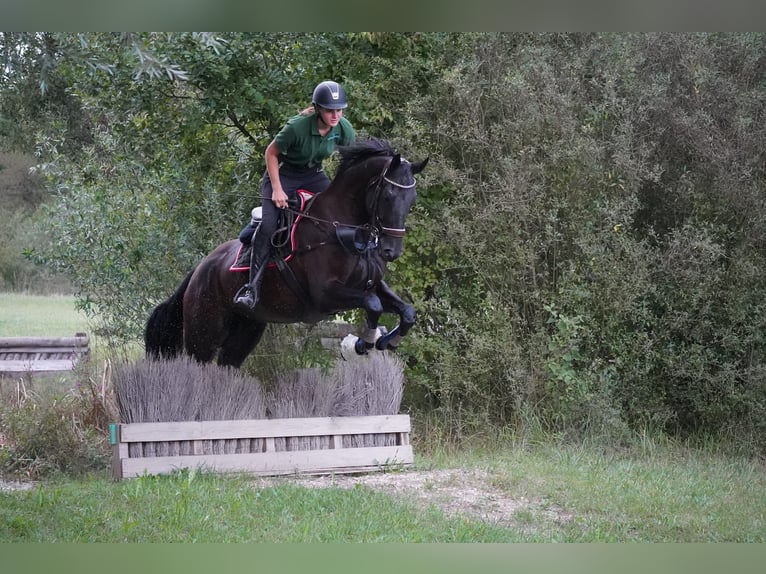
420	166
395	161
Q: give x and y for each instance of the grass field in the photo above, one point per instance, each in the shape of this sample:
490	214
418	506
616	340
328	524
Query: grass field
190	507
564	494
33	315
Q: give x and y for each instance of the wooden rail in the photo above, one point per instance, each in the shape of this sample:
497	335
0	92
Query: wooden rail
42	354
317	445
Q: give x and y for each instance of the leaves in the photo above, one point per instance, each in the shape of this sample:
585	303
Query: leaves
613	178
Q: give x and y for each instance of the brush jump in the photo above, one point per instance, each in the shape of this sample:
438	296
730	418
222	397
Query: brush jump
339	249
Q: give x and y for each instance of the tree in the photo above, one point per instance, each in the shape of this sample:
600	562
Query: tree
178	125
586	251
607	218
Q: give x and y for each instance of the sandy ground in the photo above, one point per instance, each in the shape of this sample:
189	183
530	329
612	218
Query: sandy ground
456	492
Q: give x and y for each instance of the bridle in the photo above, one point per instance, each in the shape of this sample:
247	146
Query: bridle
376	225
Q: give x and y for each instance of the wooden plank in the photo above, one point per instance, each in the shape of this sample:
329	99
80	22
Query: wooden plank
263	428
119	453
32	350
275	463
36	365
78	342
41	354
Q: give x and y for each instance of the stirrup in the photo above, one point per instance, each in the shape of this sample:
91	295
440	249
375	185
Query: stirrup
245	296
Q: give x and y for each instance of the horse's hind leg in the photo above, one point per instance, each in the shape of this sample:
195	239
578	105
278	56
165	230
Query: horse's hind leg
201	338
243	336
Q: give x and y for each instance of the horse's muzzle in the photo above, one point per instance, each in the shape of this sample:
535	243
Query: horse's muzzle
389	254
390	249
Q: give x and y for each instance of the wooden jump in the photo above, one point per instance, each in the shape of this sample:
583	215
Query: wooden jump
42	354
267	447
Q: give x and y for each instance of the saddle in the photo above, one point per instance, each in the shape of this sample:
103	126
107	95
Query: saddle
283	240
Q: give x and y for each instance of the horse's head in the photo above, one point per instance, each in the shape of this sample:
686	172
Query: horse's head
388	181
389	200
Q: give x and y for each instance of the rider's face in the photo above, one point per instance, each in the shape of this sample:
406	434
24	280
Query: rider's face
330	117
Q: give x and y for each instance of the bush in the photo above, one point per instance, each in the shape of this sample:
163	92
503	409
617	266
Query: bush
60	433
610	274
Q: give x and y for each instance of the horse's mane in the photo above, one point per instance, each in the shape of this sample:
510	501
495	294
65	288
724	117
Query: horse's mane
361	150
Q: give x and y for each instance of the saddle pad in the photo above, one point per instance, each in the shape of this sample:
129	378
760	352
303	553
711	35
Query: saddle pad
242	257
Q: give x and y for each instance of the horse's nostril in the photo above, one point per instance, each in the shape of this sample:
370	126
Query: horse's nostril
390	254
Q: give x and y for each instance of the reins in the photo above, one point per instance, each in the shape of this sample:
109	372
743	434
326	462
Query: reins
375	224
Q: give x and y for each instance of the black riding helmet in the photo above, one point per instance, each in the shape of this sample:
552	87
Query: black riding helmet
329	95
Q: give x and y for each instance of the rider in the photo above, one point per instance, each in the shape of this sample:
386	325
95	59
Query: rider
294	161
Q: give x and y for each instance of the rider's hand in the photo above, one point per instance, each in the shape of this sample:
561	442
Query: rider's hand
279	198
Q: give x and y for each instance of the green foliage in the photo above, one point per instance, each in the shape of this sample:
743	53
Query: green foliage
586	250
287	348
21	192
601	232
35	97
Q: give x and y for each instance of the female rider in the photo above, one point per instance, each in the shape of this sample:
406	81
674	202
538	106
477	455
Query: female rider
294	161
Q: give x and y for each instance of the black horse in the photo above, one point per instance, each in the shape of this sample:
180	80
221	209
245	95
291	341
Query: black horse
341	245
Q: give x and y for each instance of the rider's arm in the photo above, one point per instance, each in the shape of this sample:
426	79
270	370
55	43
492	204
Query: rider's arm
278	195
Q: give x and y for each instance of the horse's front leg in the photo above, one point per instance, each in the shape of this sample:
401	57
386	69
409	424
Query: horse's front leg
392	303
373	307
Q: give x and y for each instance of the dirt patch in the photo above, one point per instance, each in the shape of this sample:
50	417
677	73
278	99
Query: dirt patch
456	492
7	485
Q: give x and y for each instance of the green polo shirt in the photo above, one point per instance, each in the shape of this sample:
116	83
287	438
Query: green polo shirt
301	146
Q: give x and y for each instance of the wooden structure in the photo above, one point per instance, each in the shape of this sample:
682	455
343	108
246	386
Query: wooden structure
317	445
42	354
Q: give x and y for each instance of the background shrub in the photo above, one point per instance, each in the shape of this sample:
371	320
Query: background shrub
48	433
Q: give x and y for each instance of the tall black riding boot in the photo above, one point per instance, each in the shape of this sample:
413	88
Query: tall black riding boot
259	258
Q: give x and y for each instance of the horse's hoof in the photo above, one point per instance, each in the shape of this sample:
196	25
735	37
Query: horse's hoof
361	347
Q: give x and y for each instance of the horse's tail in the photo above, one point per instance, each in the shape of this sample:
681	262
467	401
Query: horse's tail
164	333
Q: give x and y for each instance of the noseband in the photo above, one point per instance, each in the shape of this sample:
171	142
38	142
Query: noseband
377	225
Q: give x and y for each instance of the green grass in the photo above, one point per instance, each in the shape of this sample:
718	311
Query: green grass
194	507
674	494
573	494
35	315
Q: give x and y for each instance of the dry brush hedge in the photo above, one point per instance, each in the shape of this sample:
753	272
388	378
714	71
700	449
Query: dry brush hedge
179	414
